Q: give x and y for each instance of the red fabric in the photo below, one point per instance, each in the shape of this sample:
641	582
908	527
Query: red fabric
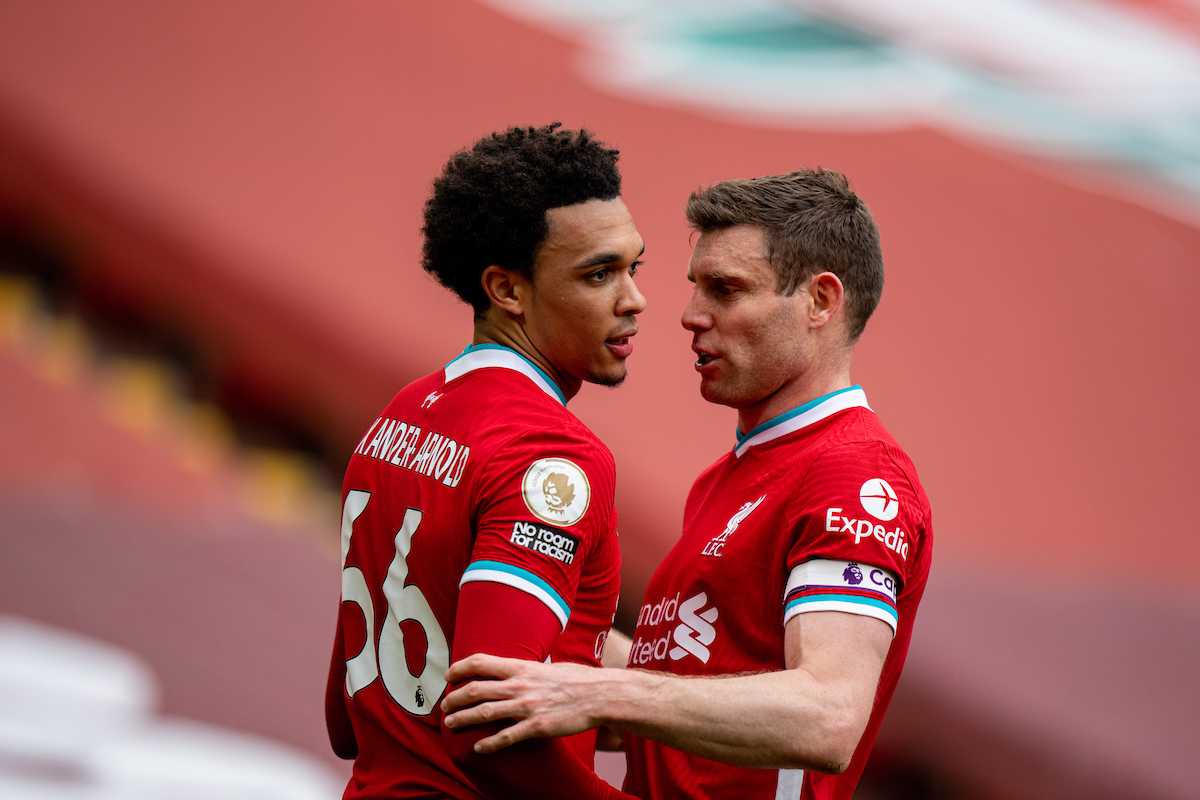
716	603
434	495
337	718
503	621
824	515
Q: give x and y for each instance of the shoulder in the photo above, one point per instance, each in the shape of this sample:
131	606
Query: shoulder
559	446
856	466
556	459
858	441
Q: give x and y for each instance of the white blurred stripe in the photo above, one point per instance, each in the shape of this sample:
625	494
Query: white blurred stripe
77	720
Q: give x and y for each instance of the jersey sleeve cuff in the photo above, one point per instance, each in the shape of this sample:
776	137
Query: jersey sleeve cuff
522	579
848	586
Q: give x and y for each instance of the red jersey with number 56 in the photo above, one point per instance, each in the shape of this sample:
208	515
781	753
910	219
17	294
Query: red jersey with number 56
475	473
817	509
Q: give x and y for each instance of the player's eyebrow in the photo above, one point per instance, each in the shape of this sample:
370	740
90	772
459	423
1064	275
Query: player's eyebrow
600	259
719	277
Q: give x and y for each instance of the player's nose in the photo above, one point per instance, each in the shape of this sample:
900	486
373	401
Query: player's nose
632	301
694	316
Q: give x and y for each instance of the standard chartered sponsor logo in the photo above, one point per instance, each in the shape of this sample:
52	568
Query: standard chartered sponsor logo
694	633
691	636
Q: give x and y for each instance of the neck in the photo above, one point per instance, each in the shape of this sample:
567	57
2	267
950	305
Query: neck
804	388
509	333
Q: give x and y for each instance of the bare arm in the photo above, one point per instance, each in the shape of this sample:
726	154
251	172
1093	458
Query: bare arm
616	650
810	715
616	656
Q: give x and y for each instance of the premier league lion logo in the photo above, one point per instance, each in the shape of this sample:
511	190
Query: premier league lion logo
852	574
558	491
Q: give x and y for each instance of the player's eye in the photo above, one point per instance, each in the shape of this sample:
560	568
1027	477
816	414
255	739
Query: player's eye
633	268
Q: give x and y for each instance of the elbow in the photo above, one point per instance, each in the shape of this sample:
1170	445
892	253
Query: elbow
844	730
832	745
344	748
460	746
340	728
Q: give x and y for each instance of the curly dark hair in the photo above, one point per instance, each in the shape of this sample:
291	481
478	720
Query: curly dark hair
813	223
489	204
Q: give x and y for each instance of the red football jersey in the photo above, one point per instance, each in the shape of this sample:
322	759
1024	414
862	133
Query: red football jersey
816	509
475	473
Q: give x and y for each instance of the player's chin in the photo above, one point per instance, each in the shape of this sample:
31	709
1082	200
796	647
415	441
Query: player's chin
713	391
613	375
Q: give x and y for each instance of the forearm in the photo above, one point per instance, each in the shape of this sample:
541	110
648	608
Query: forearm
811	715
616	656
775	719
616	650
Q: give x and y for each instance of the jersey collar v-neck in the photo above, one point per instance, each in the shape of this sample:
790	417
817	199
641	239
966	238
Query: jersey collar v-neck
801	417
479	356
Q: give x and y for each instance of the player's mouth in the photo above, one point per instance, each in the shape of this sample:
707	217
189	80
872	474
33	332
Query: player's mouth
620	345
703	358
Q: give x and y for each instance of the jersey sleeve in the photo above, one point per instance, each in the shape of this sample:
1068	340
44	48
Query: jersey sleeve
538	769
337	717
547	502
855	519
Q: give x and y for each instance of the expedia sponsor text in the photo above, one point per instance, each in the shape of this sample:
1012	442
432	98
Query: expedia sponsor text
894	540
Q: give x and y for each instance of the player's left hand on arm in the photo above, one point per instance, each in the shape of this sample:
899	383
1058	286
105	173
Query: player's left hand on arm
544	699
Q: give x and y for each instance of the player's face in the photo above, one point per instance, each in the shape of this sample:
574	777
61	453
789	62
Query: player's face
749	341
582	313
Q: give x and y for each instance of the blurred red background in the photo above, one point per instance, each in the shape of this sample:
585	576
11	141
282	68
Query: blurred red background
210	215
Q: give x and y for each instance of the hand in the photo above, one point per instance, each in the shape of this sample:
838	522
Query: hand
545	699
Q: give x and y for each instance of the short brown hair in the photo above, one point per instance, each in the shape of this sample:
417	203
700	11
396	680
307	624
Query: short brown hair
813	224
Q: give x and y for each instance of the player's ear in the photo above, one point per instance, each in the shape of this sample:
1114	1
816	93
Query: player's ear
827	295
506	289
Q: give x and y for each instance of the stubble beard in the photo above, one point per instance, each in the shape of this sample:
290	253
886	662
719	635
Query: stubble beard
716	391
712	394
605	379
728	391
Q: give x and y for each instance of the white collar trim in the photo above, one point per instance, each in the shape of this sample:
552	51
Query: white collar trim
502	357
853	398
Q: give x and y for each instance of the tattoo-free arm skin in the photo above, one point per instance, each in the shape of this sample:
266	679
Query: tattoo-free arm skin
810	715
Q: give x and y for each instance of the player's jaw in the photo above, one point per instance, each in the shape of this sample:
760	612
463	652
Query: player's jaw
721	380
612	370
